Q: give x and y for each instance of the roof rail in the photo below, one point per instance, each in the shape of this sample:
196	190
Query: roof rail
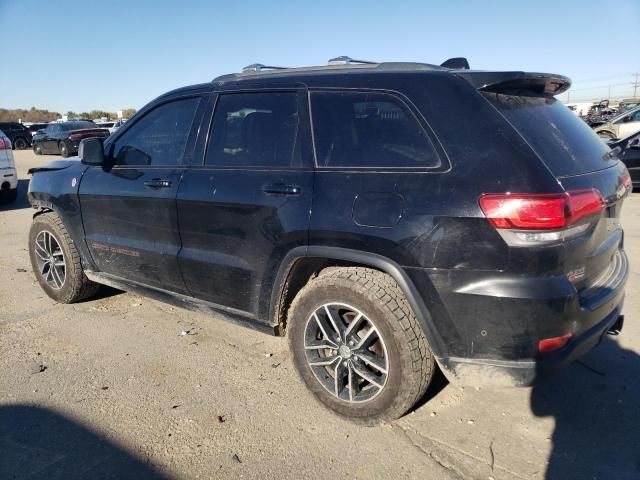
258	67
344	60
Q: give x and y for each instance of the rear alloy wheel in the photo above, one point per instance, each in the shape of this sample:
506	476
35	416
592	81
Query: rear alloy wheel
37	149
64	150
20	143
358	346
346	352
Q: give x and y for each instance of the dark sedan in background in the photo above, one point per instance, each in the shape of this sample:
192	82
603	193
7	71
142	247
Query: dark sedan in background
63	138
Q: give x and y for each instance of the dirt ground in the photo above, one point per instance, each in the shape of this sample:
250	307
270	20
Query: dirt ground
110	388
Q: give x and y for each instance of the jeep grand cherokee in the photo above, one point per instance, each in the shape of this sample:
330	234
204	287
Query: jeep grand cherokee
390	218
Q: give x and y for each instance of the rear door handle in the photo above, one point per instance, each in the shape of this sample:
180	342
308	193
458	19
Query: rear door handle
157	183
281	189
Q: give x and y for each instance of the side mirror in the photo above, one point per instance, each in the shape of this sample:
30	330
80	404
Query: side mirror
635	144
91	151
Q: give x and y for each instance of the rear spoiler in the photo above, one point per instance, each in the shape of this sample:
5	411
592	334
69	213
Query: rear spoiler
505	82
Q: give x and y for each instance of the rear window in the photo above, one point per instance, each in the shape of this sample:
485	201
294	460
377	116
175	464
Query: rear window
368	130
564	142
78	125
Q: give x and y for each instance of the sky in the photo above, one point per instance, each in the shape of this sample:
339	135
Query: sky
82	55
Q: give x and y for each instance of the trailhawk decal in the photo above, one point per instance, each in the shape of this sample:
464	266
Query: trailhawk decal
111	249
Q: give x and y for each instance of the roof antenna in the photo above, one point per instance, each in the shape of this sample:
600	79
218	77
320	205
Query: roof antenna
459	63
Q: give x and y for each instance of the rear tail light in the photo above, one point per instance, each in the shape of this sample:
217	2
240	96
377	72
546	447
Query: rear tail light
555	343
75	137
5	144
626	182
529	219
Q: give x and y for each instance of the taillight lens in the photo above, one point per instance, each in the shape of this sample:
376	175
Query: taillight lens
541	212
541	218
626	182
5	144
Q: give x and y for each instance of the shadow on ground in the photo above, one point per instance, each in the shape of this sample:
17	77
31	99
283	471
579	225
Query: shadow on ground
21	201
37	443
596	407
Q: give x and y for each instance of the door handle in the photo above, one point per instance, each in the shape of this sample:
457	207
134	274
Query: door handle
281	189
157	183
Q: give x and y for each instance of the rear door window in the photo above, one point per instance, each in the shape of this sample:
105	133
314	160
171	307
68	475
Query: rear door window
368	130
565	143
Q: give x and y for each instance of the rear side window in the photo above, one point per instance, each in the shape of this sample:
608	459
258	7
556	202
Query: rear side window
368	130
255	130
160	137
565	143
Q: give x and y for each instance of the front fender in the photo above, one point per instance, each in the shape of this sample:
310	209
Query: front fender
54	187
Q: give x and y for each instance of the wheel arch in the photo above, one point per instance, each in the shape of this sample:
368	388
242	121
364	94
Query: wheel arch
302	263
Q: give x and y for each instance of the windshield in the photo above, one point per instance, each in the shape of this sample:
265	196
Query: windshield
564	142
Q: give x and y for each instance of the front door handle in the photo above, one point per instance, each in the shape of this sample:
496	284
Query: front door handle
281	189
157	183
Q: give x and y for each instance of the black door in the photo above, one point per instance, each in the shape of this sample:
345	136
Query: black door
249	203
48	141
129	211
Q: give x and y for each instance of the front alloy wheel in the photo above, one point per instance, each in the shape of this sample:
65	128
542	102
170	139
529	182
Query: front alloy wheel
50	259
346	352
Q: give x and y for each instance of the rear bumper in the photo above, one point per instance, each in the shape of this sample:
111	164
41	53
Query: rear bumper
8	179
523	373
491	323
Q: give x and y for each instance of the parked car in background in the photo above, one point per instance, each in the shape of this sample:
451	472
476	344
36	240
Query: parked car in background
581	109
35	127
17	133
461	219
112	126
63	138
630	155
8	173
628	104
621	125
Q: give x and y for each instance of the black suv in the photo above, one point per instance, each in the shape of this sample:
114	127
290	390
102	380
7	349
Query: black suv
19	134
390	218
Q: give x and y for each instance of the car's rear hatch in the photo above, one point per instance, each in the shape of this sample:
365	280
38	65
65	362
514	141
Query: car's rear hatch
580	161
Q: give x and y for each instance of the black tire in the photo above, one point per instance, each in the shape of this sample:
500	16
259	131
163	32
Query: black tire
606	135
64	149
75	286
20	143
411	364
37	149
8	196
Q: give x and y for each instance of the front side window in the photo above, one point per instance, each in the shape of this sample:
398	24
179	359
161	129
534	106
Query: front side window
368	130
160	137
255	130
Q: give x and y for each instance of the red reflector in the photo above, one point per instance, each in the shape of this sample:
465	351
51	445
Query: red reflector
540	211
552	344
5	144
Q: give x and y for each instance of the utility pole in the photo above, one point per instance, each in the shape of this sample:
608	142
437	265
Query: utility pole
635	84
